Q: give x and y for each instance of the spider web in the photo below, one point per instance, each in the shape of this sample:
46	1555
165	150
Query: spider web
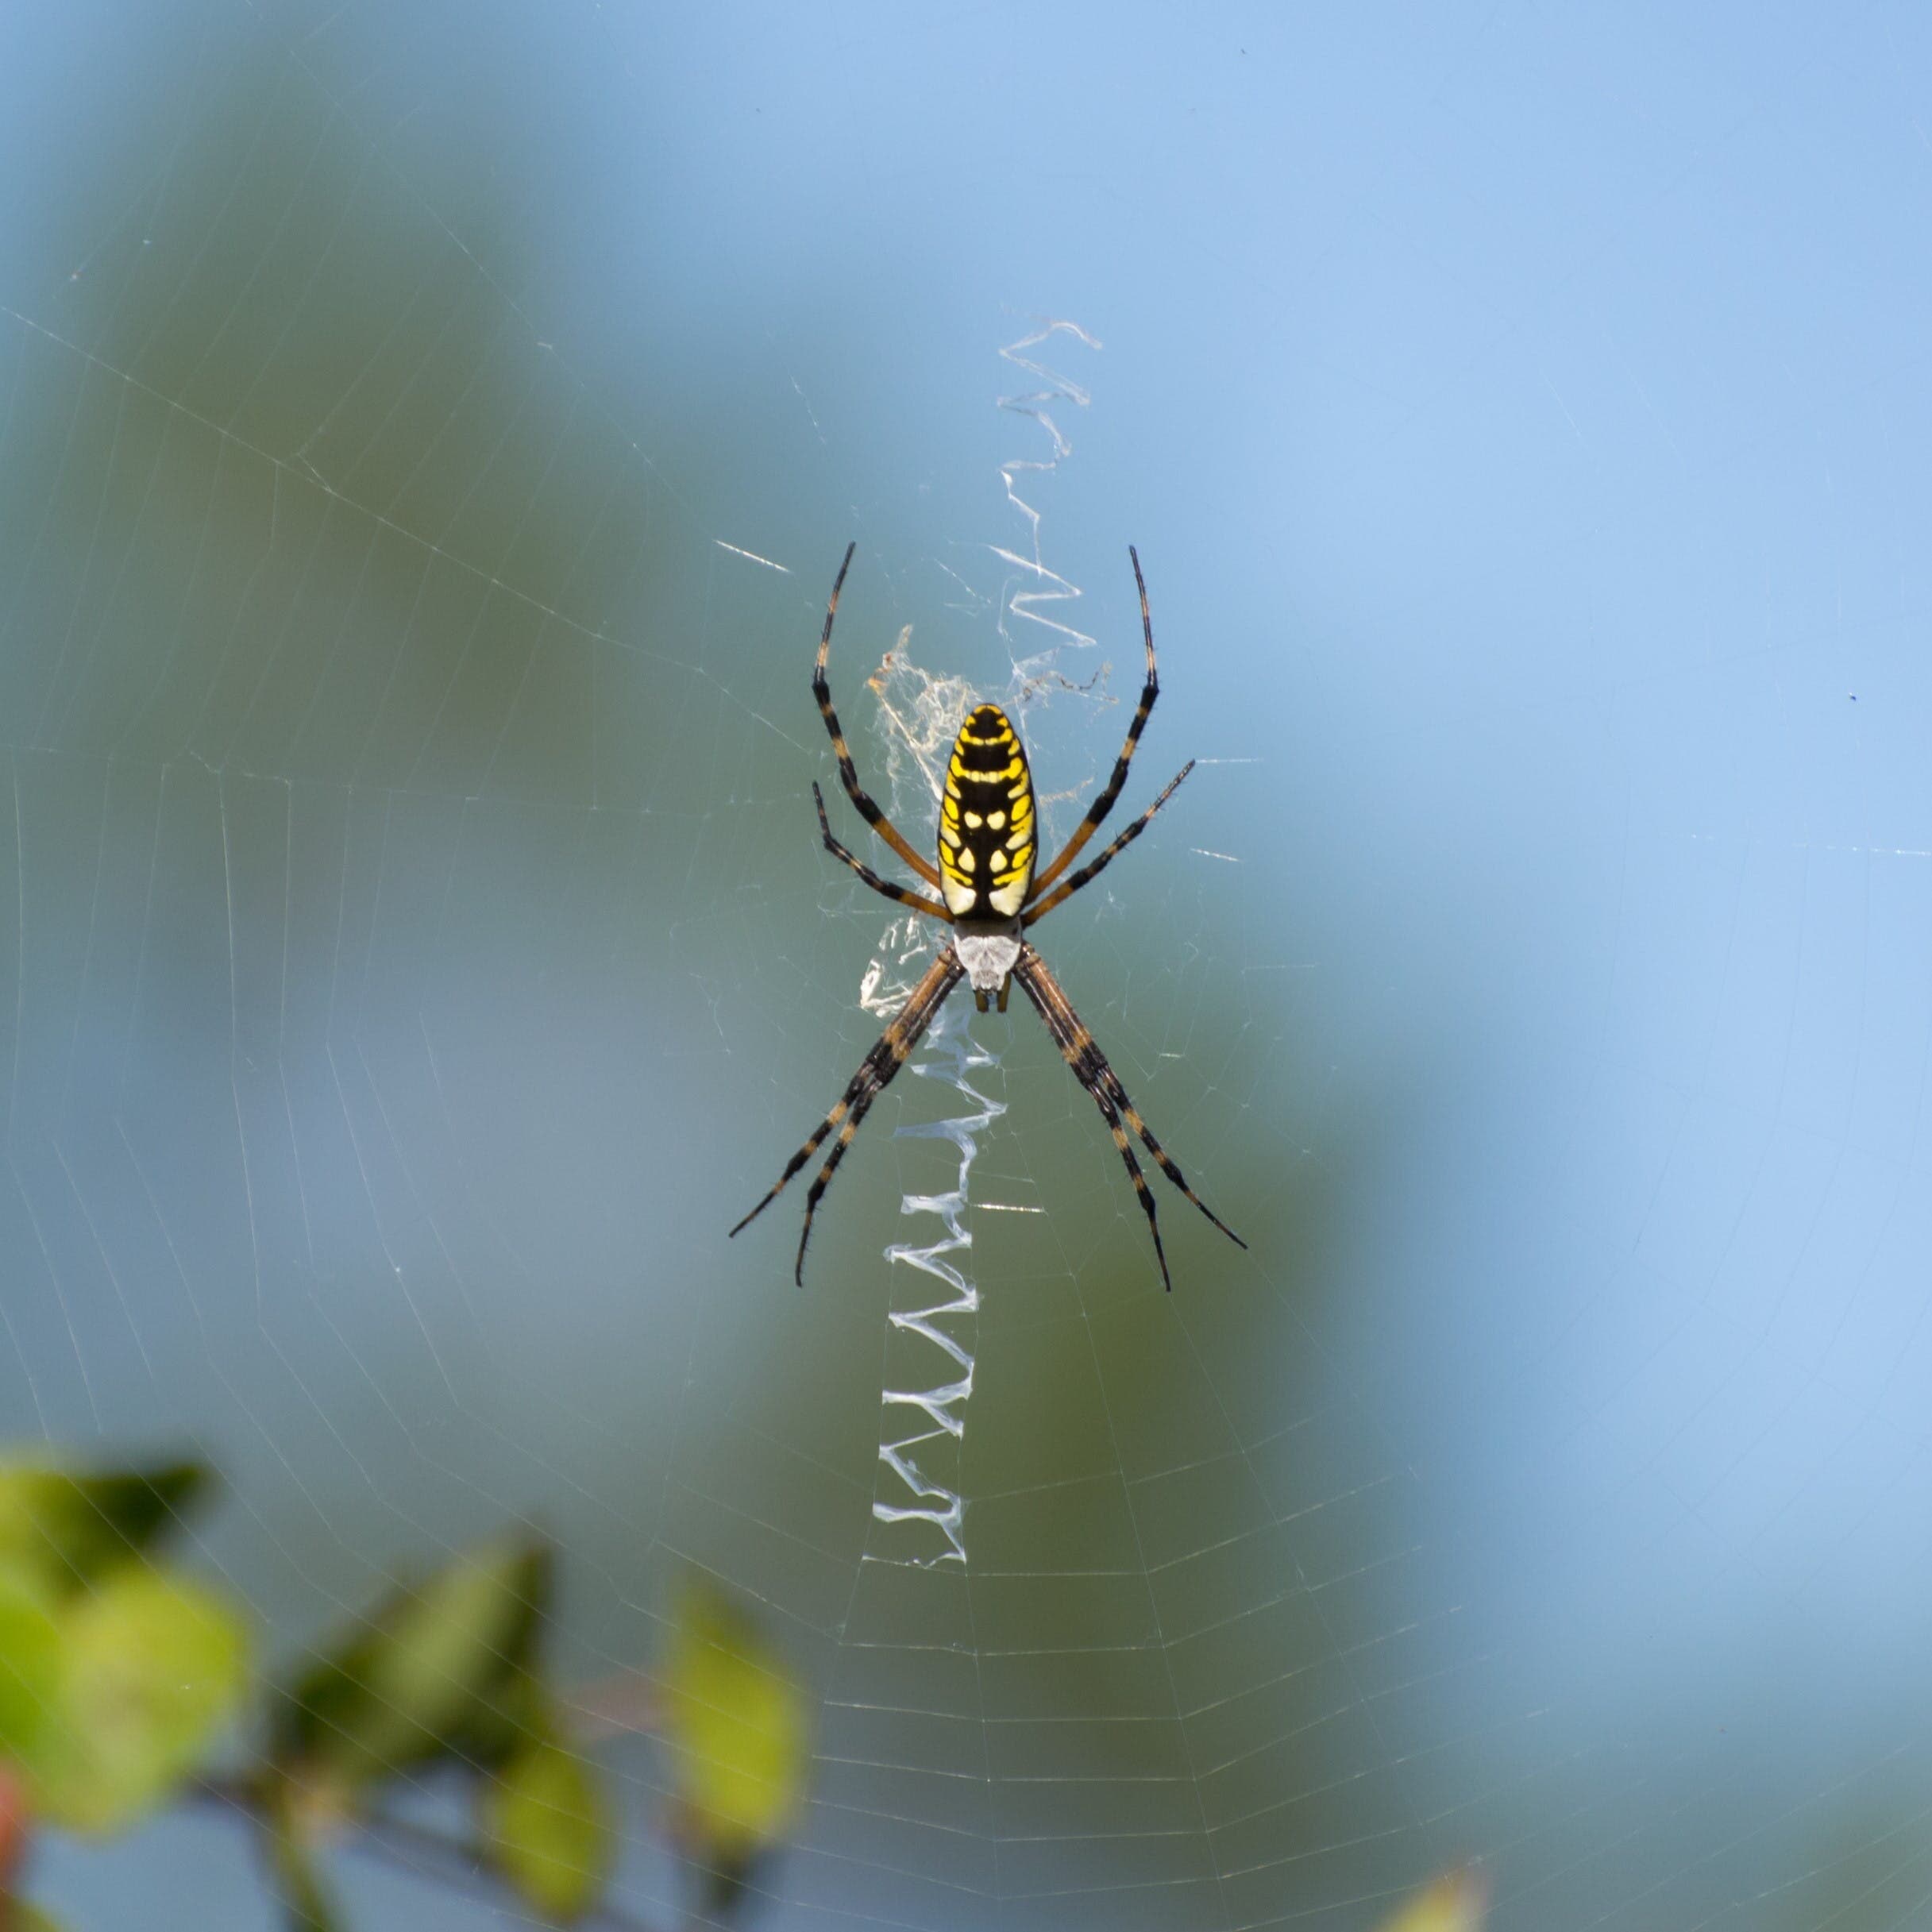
920	714
425	441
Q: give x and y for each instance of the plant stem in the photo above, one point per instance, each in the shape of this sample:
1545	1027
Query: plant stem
421	1850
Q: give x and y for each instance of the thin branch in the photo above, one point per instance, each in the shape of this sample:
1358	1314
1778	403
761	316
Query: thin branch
421	1850
461	1862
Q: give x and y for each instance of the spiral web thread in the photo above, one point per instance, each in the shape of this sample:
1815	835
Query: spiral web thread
918	1502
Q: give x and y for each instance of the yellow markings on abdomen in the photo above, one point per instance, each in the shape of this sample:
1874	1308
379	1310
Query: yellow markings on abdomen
986	848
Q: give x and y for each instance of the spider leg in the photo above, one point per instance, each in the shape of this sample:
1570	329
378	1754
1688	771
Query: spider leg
918	902
875	1073
848	772
1067	1034
1093	870
1090	1068
1103	804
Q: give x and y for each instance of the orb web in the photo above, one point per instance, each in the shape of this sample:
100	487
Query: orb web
414	949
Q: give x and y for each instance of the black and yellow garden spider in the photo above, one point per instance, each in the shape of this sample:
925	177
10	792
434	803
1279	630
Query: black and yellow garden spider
990	897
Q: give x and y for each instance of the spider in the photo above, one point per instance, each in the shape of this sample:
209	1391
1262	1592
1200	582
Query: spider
990	894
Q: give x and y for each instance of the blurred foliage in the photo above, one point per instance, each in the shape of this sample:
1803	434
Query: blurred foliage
73	1528
1457	1901
120	1675
737	1725
549	1828
443	1674
153	1667
443	1669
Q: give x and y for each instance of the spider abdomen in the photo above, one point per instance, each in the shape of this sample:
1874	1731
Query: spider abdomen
987	840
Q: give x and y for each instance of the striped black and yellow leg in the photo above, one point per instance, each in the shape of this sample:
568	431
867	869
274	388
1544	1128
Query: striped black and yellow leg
898	894
1091	1069
1096	1067
848	772
875	1073
1066	1032
1089	872
1103	804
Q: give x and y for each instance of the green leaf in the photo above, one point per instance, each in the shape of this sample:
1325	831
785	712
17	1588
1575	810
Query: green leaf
739	1725
76	1528
443	1669
550	1829
30	1661
17	1915
151	1665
